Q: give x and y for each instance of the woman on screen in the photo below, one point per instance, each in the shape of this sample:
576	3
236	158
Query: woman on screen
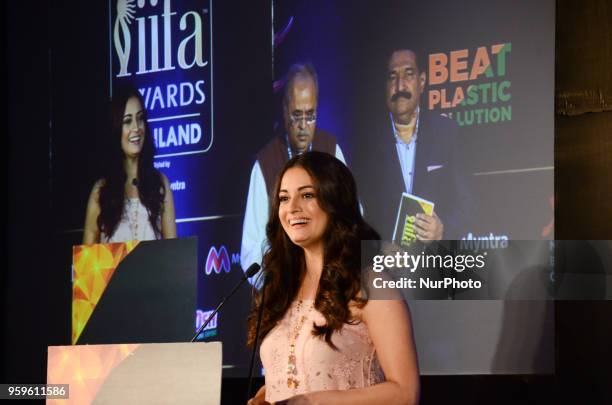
323	342
133	201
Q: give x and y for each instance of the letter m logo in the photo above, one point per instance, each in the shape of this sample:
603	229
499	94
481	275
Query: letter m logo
217	260
235	258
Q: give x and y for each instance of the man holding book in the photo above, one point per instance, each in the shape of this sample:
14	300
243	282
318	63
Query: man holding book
416	154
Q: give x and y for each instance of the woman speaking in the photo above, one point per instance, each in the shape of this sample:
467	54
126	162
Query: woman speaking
133	201
323	342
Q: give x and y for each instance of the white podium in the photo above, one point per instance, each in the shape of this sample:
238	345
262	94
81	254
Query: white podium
153	373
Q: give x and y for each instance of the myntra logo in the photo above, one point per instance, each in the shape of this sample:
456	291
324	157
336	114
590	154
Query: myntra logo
217	260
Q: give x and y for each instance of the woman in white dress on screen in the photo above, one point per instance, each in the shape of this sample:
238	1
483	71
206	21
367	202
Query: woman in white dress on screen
133	201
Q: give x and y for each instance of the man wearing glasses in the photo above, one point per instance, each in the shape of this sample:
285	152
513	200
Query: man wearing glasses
301	135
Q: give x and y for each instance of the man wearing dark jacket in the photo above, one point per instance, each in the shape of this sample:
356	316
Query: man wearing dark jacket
415	153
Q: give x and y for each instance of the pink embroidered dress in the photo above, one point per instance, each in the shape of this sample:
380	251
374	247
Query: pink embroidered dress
296	362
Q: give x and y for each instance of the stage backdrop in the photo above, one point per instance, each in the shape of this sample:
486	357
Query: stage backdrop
204	71
489	68
208	71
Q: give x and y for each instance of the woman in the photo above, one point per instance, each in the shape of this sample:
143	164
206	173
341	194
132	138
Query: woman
133	201
322	341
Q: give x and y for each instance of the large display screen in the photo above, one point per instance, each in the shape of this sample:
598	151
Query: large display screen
212	76
484	143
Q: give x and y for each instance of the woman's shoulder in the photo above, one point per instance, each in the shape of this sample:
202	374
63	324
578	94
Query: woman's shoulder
376	309
163	178
95	190
165	189
101	182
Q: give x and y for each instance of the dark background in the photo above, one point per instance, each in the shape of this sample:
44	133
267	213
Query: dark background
36	291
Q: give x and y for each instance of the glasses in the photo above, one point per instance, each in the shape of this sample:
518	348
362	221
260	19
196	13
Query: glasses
309	118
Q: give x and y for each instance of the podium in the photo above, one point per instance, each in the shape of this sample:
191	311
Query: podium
134	292
130	299
153	373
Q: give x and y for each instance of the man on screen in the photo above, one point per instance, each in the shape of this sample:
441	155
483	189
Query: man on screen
300	135
416	154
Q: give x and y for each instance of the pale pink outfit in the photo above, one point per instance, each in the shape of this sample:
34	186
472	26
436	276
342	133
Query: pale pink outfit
319	367
134	224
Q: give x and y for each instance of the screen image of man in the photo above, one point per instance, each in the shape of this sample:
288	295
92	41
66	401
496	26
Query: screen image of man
413	152
300	135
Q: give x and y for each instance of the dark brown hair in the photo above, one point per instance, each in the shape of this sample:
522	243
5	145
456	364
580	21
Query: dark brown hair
283	263
150	187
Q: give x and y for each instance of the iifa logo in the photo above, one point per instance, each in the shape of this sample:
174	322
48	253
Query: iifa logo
122	38
217	260
164	49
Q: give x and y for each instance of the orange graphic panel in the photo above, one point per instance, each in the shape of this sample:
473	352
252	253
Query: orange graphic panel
93	266
84	368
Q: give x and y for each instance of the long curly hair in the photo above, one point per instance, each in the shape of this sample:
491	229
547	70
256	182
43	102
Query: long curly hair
151	190
283	263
